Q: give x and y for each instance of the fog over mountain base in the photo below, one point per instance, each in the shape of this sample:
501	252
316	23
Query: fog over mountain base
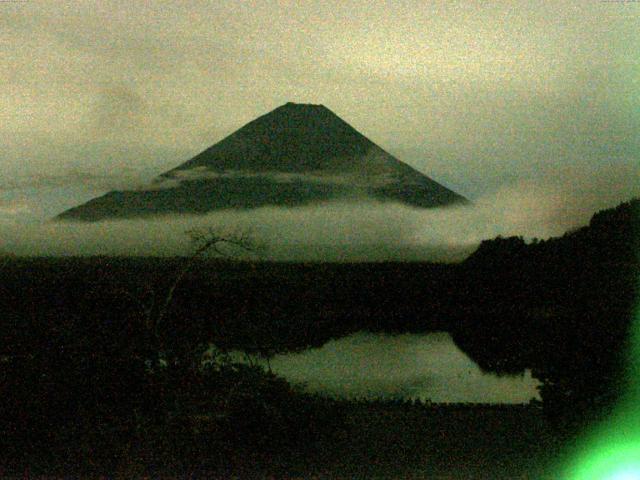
336	231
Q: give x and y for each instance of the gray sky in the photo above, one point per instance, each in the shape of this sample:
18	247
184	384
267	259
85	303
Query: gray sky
481	96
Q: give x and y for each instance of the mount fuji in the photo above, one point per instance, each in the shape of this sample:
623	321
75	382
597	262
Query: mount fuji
297	154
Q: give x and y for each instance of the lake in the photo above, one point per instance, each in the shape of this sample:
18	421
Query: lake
410	366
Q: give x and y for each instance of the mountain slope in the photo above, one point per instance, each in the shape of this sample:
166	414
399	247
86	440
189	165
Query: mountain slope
294	155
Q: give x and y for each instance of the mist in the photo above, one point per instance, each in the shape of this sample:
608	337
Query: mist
340	230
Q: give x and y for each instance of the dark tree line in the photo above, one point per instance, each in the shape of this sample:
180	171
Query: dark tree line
562	307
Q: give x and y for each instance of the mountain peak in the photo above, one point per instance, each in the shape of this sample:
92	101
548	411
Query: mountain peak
302	109
294	137
295	154
302	105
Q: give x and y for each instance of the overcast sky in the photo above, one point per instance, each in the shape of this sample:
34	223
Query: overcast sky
480	96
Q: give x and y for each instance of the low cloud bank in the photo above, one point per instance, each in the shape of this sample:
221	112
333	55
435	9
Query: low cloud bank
175	178
338	231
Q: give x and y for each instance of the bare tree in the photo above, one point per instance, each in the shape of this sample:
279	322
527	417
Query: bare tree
154	304
208	241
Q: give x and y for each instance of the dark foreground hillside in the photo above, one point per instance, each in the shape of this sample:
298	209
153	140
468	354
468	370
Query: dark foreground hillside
85	417
464	442
390	441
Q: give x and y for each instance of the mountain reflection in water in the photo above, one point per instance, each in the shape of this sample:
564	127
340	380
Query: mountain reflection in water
408	366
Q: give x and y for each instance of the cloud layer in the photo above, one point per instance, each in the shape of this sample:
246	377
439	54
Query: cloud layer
337	231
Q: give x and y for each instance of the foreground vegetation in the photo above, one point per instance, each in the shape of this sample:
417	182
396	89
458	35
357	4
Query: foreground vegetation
231	420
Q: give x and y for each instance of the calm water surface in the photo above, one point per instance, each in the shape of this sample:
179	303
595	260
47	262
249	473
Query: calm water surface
429	366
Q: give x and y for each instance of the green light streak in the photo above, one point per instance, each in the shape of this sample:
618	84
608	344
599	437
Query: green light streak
611	451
